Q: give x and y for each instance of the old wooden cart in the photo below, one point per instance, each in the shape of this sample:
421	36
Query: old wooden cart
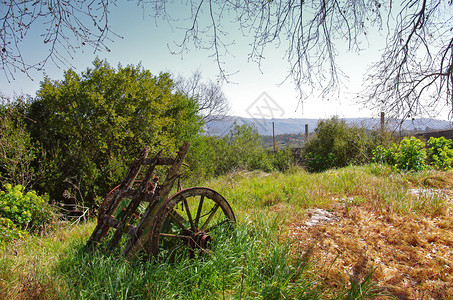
143	215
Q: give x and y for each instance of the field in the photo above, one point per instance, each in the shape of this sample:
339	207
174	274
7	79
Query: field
352	233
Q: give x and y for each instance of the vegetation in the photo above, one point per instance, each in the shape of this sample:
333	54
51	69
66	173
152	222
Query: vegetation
18	153
86	129
240	149
76	139
271	254
411	155
440	153
21	213
335	144
92	126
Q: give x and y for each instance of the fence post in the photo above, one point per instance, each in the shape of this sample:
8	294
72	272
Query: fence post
382	121
273	135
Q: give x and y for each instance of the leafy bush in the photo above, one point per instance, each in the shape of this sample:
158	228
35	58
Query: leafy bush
9	232
21	212
411	155
282	159
335	144
385	155
440	153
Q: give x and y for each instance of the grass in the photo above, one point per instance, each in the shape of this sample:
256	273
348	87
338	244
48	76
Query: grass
27	266
270	254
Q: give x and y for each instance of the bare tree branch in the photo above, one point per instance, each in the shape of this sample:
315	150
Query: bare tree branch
68	25
211	101
413	74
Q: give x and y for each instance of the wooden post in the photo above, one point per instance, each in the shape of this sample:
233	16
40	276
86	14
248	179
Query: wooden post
273	134
382	126
382	122
306	131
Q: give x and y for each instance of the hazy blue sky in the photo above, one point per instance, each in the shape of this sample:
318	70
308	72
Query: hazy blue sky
147	42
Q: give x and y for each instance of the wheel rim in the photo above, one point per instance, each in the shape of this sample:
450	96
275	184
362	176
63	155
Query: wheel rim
184	222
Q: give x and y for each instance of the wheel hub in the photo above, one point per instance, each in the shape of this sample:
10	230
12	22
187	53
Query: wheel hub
200	240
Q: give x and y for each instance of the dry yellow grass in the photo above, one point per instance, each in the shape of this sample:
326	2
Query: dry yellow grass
412	255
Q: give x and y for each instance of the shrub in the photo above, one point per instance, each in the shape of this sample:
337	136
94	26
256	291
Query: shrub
9	232
282	159
411	155
408	155
20	212
440	153
385	155
335	144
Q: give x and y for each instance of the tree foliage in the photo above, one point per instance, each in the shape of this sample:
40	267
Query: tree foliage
334	144
92	125
17	151
414	72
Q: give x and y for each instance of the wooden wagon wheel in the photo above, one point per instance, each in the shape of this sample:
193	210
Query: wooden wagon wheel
186	220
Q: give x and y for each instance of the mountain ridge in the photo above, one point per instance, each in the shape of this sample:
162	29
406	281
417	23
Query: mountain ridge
297	125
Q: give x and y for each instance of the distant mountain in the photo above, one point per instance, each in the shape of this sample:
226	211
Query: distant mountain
294	126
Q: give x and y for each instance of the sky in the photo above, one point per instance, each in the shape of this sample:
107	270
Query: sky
249	90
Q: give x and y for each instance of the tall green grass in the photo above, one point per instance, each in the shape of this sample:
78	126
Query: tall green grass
249	262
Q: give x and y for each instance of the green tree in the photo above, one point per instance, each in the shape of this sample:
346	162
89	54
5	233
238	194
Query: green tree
17	151
93	124
335	144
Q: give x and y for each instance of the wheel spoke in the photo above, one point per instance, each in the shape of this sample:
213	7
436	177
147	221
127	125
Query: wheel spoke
200	206
174	233
217	225
177	219
189	214
177	236
213	211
